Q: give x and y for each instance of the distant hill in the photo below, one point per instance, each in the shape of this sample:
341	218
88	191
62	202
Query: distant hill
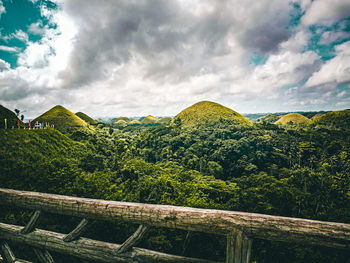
204	111
121	123
164	120
11	117
333	118
316	116
63	119
86	118
123	119
149	119
292	118
134	123
269	118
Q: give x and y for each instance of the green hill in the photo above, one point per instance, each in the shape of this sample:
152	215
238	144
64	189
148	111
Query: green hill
37	159
86	118
204	111
292	118
121	123
165	120
340	119
269	118
63	119
149	119
134	123
122	119
316	116
11	117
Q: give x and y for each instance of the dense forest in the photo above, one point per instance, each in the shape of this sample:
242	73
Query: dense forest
297	170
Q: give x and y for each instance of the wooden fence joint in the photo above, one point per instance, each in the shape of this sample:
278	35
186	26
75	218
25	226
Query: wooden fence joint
134	239
76	232
32	224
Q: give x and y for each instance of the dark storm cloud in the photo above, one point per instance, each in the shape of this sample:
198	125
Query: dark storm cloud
172	41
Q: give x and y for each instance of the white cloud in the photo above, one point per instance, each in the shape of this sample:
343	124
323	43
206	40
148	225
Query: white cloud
9	49
2	8
335	70
321	11
4	65
329	37
157	57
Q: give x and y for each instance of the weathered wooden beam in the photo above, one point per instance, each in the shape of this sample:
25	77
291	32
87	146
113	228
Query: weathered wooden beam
76	232
277	228
17	261
238	247
134	239
88	249
6	252
43	256
33	222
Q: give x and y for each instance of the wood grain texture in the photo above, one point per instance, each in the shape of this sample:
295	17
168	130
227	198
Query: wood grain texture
134	239
33	222
89	249
76	232
268	227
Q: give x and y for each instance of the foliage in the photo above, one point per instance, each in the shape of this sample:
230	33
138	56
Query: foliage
293	170
86	118
206	111
63	119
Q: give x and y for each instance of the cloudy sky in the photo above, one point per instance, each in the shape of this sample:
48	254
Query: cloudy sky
139	57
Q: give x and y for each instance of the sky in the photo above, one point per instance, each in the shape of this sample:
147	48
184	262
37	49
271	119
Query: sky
112	58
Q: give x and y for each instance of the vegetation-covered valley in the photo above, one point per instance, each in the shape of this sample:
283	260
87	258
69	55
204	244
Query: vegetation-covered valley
291	169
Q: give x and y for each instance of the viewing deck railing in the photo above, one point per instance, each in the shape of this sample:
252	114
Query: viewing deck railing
238	227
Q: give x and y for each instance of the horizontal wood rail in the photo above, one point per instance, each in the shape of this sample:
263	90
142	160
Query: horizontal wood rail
239	227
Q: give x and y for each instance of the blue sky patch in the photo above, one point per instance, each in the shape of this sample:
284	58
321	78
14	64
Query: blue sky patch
19	15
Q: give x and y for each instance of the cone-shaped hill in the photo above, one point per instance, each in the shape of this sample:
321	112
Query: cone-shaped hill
292	118
149	119
10	116
334	118
269	118
86	118
206	111
123	119
63	119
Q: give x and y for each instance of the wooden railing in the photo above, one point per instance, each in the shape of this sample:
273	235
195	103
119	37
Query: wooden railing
239	228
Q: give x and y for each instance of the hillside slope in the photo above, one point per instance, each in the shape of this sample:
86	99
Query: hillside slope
86	118
292	118
63	119
340	119
207	111
11	117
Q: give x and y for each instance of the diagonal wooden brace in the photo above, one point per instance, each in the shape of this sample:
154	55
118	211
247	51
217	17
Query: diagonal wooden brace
43	256
32	224
6	252
76	232
134	239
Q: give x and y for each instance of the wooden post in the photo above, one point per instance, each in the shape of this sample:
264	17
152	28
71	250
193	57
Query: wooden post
238	249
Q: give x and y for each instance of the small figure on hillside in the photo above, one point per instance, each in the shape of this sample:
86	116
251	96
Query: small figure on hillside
5	123
18	124
29	124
